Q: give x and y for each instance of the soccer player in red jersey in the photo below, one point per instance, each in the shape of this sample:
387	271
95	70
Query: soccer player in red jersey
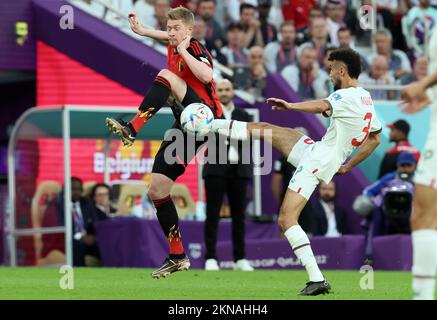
189	79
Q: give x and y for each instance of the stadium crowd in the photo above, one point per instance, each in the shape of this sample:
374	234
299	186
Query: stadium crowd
258	37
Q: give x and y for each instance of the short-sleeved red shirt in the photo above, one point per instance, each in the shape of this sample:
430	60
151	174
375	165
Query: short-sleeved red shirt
177	65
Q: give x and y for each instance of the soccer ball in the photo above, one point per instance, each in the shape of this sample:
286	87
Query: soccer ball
197	118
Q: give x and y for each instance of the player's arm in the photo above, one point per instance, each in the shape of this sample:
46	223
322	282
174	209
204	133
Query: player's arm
200	69
419	94
363	153
315	106
139	29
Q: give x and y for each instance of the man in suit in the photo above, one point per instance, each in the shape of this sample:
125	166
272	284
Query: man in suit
84	215
231	178
329	219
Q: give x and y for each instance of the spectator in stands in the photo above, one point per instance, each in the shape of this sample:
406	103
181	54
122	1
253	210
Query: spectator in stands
101	196
306	78
115	19
304	34
252	35
199	33
280	54
399	131
319	39
345	40
330	220
390	13
231	178
214	33
233	9
298	11
84	215
92	7
398	63
283	172
335	11
145	10
189	4
420	70
235	52
268	30
253	79
158	20
378	75
419	18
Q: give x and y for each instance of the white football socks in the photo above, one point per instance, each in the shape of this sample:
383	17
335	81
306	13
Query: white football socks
302	249
237	132
424	263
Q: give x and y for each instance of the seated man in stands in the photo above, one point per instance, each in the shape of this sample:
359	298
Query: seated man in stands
84	215
329	218
306	77
101	196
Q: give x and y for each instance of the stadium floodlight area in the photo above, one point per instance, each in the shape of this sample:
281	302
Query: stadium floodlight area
75	122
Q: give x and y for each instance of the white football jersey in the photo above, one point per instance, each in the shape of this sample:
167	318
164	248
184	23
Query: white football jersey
353	118
426	173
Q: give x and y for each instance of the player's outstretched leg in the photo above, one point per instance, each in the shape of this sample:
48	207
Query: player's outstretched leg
159	192
424	237
288	221
282	139
165	84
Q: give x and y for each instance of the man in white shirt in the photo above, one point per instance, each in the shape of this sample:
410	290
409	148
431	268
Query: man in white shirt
280	54
306	78
354	124
418	95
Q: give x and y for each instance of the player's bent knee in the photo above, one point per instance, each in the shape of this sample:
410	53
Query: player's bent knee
157	190
286	221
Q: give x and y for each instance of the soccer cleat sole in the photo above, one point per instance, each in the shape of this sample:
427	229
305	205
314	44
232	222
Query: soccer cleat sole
184	267
115	128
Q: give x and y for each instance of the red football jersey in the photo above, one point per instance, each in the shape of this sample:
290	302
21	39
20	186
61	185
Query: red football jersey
177	65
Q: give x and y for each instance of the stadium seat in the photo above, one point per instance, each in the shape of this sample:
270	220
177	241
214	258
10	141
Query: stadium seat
128	194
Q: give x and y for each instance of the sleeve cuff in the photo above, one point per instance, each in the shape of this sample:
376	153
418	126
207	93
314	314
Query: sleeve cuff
331	109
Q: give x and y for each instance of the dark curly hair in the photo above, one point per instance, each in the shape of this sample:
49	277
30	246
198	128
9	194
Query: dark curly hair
350	58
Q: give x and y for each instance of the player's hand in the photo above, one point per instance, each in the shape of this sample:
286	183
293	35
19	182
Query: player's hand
415	105
279	104
255	24
184	44
343	169
413	91
135	24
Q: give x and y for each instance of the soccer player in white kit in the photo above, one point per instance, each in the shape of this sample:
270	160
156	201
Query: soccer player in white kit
424	217
354	124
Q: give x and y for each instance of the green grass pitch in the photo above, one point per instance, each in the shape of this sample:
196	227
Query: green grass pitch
108	283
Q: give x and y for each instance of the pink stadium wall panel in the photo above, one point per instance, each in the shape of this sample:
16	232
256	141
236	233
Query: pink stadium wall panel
62	80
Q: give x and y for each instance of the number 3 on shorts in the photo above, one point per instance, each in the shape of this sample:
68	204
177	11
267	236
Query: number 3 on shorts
366	130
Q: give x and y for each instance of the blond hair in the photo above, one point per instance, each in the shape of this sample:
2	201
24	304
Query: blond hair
183	14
